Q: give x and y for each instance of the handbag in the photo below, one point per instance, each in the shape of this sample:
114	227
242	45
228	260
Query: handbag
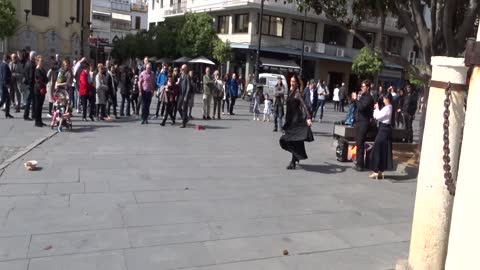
310	137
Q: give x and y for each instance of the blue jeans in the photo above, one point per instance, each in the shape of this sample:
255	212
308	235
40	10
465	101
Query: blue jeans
320	105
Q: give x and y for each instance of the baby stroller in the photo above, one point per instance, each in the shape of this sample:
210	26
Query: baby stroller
62	116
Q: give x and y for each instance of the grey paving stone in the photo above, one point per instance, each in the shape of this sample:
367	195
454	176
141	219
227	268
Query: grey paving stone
14	265
170	234
168	257
22	189
379	257
290	224
78	242
12	248
52	220
34	201
108	260
263	264
252	248
103	199
65	188
368	236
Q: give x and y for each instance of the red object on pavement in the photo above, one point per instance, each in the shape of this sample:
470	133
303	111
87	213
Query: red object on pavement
200	127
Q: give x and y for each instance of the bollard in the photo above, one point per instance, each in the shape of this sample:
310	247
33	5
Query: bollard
433	202
464	233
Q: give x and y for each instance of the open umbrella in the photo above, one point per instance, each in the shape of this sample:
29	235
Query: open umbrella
183	59
163	60
201	60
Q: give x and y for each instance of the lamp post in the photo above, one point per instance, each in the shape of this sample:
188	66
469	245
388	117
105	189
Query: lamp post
304	27
259	46
72	19
27	12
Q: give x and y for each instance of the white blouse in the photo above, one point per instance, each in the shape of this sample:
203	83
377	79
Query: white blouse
384	115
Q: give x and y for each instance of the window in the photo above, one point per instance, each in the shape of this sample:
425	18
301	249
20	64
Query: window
272	25
161	3
153	4
223	24
334	35
393	44
137	22
369	36
171	2
310	31
40	7
241	23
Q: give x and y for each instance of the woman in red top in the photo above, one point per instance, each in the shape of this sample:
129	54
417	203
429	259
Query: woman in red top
86	88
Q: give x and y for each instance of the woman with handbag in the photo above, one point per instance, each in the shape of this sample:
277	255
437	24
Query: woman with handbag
297	126
39	91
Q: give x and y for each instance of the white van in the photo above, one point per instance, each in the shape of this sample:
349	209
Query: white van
268	81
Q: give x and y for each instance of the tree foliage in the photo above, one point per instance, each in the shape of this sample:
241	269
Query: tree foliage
196	36
8	21
442	33
222	52
366	64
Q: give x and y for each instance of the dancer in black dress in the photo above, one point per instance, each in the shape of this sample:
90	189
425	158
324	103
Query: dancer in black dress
381	159
297	124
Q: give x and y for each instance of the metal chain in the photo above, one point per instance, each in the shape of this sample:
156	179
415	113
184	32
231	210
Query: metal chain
449	181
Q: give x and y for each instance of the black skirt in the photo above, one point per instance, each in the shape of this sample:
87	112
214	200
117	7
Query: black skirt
381	159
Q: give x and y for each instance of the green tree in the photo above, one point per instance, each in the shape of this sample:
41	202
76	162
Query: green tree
366	64
196	36
222	52
443	33
8	21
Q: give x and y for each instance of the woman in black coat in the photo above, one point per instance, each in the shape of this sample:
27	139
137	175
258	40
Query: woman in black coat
39	91
297	124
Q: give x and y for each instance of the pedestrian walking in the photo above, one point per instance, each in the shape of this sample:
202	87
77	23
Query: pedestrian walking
310	96
112	101
40	90
86	91
217	94
101	84
170	95
29	81
191	100
208	85
267	108
336	98
322	92
343	94
408	111
146	85
233	92
162	79
16	88
297	124
381	159
5	82
256	105
52	76
135	91
278	105
226	95
186	93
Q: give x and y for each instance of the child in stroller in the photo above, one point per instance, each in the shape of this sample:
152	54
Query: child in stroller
62	115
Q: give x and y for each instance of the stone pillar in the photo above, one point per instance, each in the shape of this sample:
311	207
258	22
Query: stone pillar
433	203
227	67
464	232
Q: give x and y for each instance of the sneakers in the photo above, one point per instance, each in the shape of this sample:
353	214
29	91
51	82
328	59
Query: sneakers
49	115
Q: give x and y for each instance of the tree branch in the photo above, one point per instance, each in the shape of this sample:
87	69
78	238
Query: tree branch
409	24
467	25
433	19
448	13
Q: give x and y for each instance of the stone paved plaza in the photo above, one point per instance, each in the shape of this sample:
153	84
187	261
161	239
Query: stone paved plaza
120	195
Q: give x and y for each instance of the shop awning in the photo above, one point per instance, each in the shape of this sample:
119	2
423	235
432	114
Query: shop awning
123	17
270	62
101	13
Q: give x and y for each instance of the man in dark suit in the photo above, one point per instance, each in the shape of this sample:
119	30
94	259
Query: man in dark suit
364	116
29	80
5	80
310	96
186	93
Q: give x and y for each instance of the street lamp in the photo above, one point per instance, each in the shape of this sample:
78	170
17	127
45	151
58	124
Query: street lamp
27	11
257	63
304	27
72	19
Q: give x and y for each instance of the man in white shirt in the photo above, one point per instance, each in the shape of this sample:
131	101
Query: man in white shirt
322	93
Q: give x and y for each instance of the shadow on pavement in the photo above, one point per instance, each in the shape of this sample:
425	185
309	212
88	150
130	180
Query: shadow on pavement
322	134
82	129
328	168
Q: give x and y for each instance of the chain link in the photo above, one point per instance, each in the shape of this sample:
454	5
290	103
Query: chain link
449	181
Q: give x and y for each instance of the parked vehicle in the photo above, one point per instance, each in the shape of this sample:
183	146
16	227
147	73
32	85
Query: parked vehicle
268	81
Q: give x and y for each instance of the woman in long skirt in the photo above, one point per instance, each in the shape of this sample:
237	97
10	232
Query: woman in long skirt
297	124
381	159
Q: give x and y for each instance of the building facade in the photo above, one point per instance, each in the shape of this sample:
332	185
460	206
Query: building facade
140	15
328	50
51	27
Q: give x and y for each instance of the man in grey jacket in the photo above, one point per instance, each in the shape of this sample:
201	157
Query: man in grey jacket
16	67
186	93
